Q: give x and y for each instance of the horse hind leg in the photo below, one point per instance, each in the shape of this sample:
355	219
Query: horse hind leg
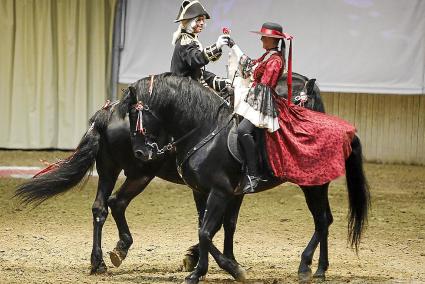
192	254
323	258
100	212
318	204
304	270
118	204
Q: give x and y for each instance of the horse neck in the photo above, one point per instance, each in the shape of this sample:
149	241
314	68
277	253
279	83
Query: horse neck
177	128
177	124
180	118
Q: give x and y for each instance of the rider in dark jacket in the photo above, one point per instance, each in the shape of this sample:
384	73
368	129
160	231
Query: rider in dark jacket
189	57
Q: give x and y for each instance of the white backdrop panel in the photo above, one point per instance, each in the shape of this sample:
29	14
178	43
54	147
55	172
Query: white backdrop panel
369	46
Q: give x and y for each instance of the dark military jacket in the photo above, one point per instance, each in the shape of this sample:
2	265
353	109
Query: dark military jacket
189	60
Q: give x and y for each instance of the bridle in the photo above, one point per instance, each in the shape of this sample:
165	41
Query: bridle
302	98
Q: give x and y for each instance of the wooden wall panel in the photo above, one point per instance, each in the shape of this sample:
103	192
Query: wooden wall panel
420	151
391	127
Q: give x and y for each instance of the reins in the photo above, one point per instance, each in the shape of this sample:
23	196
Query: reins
171	145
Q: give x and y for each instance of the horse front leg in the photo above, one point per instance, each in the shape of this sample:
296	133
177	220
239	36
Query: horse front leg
318	204
213	218
226	262
229	224
118	204
230	221
100	213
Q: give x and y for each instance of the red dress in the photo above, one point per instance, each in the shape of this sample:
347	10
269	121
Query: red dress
309	148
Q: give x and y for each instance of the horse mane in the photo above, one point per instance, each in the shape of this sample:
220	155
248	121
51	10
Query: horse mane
194	101
123	105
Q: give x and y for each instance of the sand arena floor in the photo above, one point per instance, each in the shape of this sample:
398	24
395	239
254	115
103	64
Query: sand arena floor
52	243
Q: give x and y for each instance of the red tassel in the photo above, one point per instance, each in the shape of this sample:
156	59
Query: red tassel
289	80
54	166
139	123
48	169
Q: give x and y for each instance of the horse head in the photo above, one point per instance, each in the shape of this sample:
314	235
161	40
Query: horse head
309	96
148	138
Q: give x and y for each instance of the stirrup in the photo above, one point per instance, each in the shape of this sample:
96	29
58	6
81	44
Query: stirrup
251	184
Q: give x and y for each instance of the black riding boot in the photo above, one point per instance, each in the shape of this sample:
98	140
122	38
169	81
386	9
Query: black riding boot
246	139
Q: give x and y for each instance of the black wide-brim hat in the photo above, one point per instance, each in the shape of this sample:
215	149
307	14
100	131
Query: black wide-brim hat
272	30
191	9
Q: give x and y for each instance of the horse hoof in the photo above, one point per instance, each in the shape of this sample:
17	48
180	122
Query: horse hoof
304	277
116	258
191	281
189	263
100	269
240	275
319	275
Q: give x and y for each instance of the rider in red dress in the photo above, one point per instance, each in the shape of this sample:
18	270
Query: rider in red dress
303	146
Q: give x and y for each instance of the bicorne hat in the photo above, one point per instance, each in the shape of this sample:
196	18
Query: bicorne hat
191	9
272	30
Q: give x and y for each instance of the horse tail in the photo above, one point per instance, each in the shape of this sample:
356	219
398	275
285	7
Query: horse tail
65	174
358	194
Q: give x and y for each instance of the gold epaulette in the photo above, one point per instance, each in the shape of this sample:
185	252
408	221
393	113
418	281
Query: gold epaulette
186	39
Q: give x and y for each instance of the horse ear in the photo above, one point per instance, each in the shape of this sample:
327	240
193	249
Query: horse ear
310	85
133	94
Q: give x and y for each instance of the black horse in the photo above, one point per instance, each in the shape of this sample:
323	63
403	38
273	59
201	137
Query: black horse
199	124
108	143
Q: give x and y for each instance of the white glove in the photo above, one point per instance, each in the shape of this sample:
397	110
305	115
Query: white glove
236	49
222	40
